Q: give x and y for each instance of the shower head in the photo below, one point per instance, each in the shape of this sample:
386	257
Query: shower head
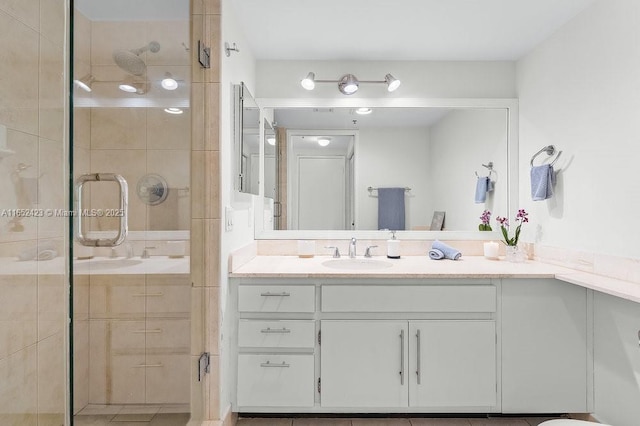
130	60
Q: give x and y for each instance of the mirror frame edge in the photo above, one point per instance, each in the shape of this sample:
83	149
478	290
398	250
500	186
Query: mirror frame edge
509	104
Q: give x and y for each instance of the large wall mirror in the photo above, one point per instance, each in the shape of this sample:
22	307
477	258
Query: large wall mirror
337	160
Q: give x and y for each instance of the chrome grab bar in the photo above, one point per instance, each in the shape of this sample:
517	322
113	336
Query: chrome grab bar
124	209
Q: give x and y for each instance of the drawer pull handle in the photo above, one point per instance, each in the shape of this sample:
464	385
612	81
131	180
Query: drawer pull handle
148	294
155	330
269	294
268	364
147	365
270	330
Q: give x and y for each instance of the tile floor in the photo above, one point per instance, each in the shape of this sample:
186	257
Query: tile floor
493	421
132	415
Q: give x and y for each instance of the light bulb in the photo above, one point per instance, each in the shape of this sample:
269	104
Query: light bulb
309	81
271	141
324	141
127	88
168	83
364	111
172	110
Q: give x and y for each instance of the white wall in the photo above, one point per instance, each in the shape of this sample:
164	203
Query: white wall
580	91
460	143
234	69
392	157
281	79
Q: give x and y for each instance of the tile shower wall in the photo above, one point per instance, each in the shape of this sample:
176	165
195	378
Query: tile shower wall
127	133
33	305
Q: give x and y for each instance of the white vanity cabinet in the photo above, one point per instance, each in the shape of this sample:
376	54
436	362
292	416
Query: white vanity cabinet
544	347
421	364
616	360
447	361
364	363
276	340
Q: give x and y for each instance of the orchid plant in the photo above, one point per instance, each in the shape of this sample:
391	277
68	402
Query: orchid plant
521	217
485	219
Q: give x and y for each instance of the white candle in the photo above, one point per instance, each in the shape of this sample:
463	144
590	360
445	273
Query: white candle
491	250
306	248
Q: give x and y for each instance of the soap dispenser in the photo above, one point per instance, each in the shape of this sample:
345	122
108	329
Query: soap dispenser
393	247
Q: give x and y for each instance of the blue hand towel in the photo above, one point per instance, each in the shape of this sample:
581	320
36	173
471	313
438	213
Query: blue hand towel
482	186
391	209
543	178
436	254
448	251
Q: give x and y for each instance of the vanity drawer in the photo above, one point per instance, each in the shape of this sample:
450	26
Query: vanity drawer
426	298
276	298
276	334
275	380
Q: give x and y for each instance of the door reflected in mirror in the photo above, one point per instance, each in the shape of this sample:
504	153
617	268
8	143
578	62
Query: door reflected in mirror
434	154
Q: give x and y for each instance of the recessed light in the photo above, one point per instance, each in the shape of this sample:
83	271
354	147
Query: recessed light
127	88
324	141
364	111
173	110
168	82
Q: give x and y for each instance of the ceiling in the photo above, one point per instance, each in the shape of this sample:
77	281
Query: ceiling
436	30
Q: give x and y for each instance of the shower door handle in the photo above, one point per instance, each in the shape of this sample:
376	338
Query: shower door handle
123	211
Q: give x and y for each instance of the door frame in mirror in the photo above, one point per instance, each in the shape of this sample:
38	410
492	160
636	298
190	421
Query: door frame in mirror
509	104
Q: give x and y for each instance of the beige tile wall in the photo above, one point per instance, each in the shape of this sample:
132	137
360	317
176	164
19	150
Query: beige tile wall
33	307
205	209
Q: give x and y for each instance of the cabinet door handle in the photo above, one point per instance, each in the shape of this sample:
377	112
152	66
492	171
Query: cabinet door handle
155	330
402	357
269	330
418	356
268	364
269	294
147	365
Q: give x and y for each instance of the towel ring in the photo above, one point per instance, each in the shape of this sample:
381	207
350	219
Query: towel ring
550	150
488	166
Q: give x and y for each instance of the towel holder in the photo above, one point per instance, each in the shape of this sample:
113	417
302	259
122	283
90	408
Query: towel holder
550	150
371	188
488	166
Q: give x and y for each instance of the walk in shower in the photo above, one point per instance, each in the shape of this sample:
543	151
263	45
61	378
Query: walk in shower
131	150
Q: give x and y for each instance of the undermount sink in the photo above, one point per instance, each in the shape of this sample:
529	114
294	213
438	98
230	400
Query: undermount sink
106	264
357	264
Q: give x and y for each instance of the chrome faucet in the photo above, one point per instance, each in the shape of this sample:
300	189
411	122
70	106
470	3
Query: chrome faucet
352	248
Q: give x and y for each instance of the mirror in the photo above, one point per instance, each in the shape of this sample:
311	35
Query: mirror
246	140
435	154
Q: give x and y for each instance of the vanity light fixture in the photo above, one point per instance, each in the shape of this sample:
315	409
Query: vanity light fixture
324	141
85	82
363	111
348	84
309	82
174	111
168	82
271	141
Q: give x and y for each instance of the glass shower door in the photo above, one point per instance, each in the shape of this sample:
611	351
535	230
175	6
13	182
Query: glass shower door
131	168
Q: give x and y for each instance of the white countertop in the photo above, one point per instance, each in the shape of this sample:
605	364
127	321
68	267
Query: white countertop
423	267
96	266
